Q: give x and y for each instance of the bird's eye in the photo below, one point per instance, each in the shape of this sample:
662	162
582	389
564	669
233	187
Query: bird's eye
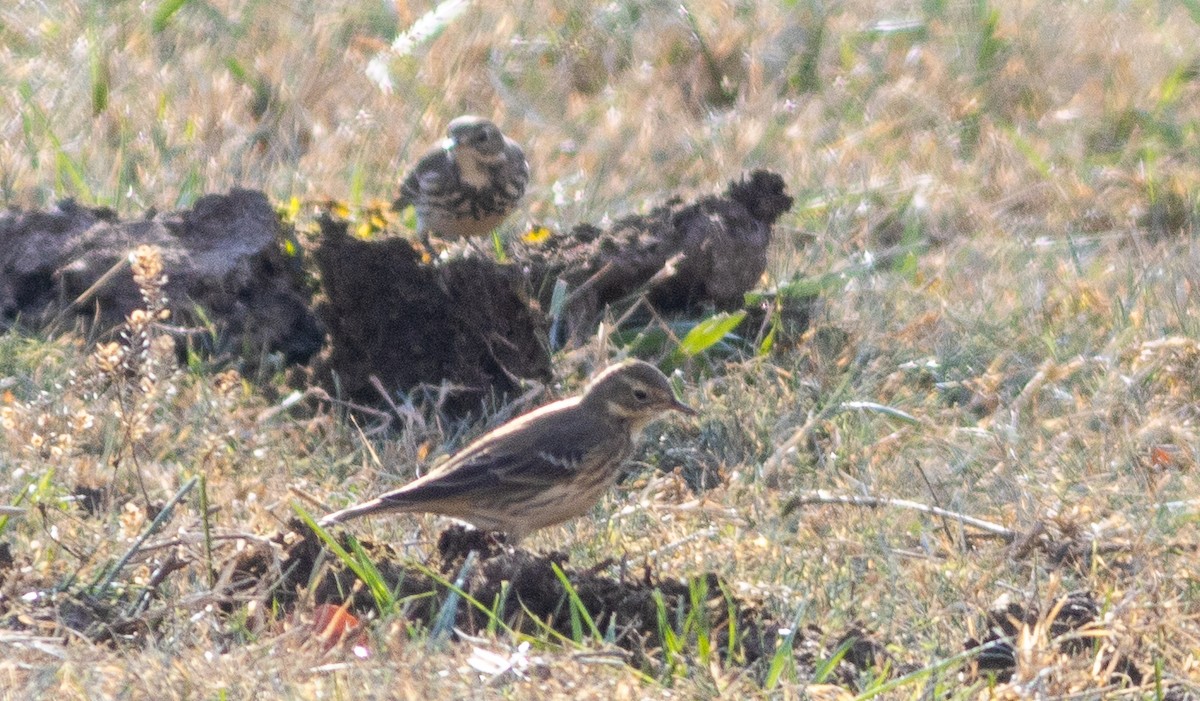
640	394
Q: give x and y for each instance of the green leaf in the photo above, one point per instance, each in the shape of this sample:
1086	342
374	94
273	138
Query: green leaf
710	332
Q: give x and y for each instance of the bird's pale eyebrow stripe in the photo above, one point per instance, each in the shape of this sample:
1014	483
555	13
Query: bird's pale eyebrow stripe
616	409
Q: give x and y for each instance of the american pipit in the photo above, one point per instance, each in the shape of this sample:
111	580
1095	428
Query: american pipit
541	468
468	184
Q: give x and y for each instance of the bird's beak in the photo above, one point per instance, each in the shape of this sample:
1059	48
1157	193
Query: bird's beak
684	408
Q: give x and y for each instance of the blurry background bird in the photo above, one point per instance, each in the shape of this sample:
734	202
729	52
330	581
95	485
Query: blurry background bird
468	184
544	467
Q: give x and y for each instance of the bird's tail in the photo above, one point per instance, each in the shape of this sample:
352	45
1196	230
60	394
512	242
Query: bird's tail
364	509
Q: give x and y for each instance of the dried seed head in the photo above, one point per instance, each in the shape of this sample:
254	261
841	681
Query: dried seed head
8	418
109	356
147	265
138	317
227	382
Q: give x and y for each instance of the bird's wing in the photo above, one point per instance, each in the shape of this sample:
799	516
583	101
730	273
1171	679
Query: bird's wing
431	175
503	465
519	165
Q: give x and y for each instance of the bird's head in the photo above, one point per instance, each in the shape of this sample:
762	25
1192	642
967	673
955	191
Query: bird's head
635	392
471	134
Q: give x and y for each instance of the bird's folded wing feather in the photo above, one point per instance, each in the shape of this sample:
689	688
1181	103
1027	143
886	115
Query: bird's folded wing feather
436	180
503	465
519	166
428	176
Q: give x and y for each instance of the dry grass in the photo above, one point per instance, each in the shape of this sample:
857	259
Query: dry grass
1009	195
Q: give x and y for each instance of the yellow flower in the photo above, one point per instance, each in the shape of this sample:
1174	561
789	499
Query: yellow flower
291	210
536	235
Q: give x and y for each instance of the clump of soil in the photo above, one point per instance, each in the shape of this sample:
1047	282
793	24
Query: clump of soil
526	592
481	326
468	328
683	256
525	583
1066	621
61	267
407	323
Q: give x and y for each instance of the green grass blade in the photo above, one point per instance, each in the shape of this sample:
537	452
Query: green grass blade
358	563
493	616
825	668
163	14
671	645
579	612
443	623
783	659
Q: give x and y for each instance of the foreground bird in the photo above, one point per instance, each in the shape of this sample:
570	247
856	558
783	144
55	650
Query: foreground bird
468	184
544	467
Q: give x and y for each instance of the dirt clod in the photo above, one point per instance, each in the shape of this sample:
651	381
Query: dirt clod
526	587
220	255
1009	622
683	256
466	325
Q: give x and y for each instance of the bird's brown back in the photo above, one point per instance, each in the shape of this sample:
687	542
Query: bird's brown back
512	480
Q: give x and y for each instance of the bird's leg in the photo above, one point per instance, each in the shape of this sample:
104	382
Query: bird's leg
426	245
482	245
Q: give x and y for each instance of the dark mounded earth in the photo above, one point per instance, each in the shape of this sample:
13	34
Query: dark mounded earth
377	316
222	255
684	257
466	323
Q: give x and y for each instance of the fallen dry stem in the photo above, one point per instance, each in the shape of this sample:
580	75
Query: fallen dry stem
822	497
